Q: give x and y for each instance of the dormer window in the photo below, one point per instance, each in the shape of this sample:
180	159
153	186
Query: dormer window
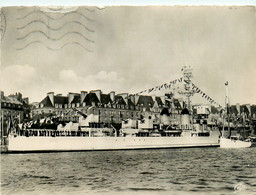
93	103
56	105
84	104
118	106
122	106
41	105
141	104
77	104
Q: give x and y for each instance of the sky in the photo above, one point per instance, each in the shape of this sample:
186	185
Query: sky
128	49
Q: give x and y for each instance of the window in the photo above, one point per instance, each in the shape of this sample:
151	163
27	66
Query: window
77	104
84	104
122	106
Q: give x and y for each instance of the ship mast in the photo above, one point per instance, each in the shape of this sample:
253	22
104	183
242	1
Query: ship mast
226	110
188	92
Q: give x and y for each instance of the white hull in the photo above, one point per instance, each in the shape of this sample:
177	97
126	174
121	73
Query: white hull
229	143
37	143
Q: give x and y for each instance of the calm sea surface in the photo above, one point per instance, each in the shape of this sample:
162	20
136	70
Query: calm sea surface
164	171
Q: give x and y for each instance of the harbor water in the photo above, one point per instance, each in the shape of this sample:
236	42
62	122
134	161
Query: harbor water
155	171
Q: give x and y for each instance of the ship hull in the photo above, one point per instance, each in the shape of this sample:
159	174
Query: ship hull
43	144
228	143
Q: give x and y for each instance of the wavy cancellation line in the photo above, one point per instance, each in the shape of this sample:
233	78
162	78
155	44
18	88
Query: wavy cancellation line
54	29
55	39
52	18
55	49
87	9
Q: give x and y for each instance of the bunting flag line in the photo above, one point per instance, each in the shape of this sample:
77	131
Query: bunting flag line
163	86
204	95
172	83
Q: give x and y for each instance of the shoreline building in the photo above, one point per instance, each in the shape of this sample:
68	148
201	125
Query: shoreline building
112	108
14	109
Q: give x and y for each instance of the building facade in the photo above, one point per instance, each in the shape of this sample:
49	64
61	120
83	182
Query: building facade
14	109
111	107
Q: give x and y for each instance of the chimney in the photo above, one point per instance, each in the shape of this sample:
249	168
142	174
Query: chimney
70	97
136	99
2	94
249	108
112	95
82	96
19	96
238	108
153	97
51	96
125	97
133	98
26	100
98	93
163	98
